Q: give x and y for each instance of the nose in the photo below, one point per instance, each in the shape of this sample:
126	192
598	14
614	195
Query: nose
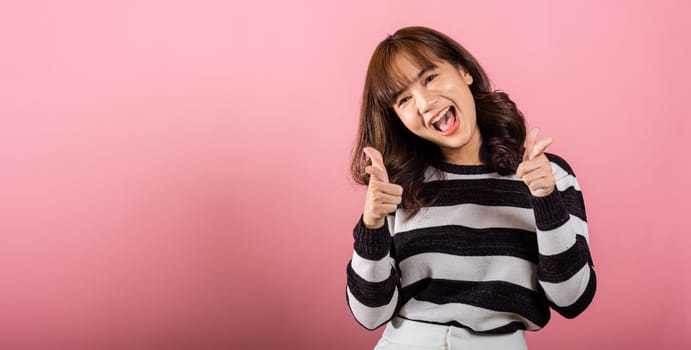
426	101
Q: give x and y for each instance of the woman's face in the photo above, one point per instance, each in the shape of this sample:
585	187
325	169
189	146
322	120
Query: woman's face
439	107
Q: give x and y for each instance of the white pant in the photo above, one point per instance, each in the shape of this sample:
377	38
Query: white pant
402	334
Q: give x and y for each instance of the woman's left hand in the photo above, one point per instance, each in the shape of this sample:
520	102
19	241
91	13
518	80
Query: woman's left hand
535	170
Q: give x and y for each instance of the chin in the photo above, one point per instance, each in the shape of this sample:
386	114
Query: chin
458	142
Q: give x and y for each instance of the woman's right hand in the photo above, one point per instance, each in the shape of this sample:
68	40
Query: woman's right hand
382	197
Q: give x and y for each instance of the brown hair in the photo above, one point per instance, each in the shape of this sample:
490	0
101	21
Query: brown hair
407	156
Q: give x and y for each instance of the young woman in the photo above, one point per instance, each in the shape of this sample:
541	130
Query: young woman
470	232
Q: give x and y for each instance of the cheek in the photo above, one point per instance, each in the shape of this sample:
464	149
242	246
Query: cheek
410	119
469	105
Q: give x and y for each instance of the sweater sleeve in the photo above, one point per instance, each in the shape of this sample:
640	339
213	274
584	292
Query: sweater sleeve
565	269
372	290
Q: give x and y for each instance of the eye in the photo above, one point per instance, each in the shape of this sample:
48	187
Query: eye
430	78
403	100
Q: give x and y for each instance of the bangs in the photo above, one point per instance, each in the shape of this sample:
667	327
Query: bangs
388	81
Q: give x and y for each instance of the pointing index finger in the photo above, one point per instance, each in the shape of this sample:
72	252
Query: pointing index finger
540	147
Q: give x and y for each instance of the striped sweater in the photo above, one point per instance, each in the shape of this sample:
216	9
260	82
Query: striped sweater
486	255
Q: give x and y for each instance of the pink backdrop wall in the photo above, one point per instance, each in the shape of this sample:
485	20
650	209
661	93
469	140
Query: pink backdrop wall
174	174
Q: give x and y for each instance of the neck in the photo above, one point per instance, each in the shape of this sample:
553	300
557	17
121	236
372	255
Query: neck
468	154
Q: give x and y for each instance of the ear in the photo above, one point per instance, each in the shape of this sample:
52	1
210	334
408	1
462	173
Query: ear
466	75
468	78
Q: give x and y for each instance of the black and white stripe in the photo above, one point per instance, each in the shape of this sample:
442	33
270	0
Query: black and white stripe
487	255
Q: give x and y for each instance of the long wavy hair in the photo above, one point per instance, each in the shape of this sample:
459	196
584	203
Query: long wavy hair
406	155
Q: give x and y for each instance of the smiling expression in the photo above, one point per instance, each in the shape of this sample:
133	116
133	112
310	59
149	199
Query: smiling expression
438	106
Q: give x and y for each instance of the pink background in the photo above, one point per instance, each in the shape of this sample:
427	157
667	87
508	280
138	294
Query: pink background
174	174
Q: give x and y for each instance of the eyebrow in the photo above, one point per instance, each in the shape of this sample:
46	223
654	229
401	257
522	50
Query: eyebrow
422	72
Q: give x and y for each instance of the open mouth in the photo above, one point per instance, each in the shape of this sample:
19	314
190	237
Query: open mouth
446	122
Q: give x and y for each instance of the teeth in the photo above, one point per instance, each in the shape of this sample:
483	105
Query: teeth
440	115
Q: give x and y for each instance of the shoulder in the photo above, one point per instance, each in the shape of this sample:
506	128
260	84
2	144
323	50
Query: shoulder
559	165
